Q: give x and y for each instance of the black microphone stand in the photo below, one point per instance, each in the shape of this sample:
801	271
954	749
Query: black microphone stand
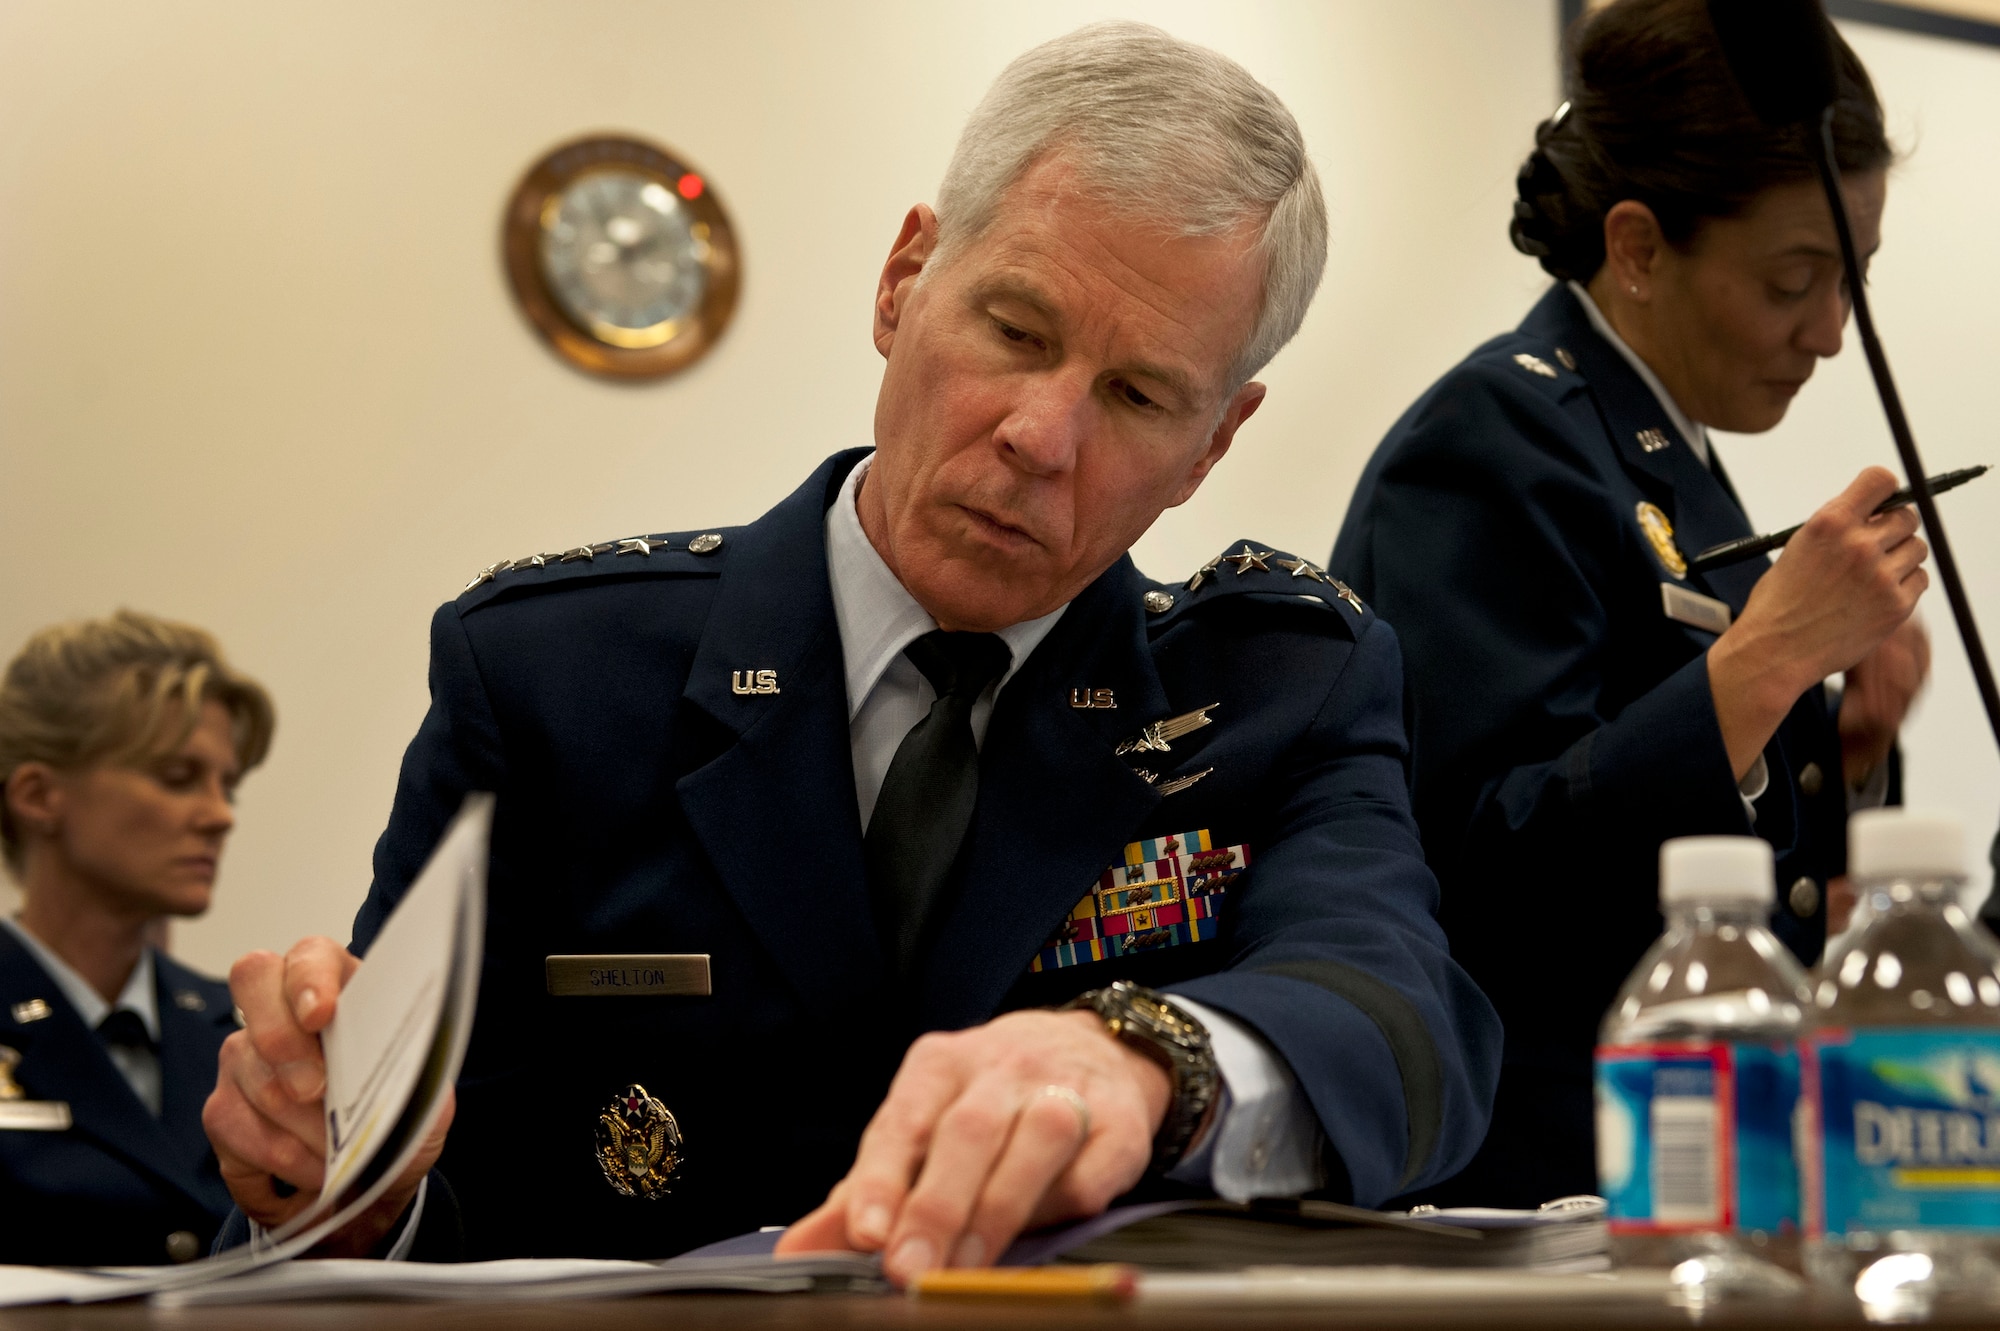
1899	426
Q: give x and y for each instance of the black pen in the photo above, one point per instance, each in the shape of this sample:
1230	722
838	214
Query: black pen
1733	552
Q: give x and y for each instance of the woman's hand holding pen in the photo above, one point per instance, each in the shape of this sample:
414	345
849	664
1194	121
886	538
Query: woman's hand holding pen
1844	585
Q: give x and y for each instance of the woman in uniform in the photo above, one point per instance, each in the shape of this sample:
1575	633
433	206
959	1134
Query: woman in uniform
1579	694
121	742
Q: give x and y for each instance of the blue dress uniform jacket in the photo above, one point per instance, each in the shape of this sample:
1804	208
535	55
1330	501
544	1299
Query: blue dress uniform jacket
119	1185
647	806
1562	724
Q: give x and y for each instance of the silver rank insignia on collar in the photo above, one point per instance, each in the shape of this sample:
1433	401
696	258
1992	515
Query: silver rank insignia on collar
1157	737
638	1144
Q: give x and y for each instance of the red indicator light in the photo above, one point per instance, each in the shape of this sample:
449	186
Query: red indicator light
690	186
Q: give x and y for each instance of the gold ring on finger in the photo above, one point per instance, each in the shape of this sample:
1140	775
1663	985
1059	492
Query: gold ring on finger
1071	1097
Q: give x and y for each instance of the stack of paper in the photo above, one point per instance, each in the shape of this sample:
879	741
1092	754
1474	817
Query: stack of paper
1222	1235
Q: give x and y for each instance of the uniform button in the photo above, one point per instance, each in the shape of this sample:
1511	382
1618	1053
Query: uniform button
1803	898
706	544
183	1246
1811	779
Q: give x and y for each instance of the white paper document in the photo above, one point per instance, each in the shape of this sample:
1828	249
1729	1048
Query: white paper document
392	1052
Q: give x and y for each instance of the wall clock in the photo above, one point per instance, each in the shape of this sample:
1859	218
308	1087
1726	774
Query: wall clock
621	256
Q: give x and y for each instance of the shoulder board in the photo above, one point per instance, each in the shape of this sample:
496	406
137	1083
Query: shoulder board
1533	362
680	553
1247	567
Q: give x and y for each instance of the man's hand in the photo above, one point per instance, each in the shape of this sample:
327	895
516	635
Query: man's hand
1879	690
981	1138
267	1117
1846	582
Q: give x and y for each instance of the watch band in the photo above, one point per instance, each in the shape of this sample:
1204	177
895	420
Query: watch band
1147	1022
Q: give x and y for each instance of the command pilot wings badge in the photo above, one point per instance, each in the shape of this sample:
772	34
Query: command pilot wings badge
1159	736
638	1144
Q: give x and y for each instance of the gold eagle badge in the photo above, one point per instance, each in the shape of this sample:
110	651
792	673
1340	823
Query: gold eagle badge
638	1144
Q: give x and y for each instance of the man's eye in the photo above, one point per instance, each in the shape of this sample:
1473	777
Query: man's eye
1013	334
1131	394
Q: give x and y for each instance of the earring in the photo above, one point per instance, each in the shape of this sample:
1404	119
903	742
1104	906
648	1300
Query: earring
1635	288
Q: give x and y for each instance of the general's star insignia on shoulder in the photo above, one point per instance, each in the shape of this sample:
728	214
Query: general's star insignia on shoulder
638	1144
645	546
1248	558
1168	891
1303	568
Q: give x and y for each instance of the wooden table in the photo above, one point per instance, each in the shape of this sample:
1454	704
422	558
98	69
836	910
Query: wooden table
799	1313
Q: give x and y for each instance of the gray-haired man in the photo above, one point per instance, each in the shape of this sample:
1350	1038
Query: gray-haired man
919	756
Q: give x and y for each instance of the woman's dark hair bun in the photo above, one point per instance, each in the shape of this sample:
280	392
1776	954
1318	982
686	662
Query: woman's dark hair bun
1655	115
1540	212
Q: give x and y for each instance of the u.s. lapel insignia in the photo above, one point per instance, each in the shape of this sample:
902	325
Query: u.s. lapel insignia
1660	533
746	683
1093	698
638	1144
1168	892
1158	737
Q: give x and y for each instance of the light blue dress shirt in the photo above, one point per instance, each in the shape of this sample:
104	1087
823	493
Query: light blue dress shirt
1265	1140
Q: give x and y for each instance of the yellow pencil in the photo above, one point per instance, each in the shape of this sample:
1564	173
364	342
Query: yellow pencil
1103	1284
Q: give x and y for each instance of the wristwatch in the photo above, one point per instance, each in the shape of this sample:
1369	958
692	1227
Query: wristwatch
1154	1027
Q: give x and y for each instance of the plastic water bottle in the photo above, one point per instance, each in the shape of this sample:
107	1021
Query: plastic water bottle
1902	1078
1698	1076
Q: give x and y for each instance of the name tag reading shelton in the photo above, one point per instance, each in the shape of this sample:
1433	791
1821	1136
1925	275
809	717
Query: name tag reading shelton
586	976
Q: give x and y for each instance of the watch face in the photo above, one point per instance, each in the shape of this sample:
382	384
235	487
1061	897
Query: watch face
621	257
624	257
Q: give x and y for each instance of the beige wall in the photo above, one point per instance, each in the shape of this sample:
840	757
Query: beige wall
1934	288
258	368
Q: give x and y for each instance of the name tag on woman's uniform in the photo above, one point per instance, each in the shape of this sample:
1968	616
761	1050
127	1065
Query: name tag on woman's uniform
1694	609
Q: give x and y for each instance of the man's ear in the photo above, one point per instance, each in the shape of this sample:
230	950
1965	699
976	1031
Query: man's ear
913	248
1632	242
1240	409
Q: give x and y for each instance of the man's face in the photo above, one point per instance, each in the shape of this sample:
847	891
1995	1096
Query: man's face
1050	390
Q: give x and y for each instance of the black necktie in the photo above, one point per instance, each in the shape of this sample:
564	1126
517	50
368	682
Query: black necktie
124	1029
926	802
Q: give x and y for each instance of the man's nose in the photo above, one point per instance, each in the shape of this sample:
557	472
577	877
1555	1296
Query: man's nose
1048	422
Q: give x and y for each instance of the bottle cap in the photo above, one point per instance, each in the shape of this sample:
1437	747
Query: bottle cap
1899	843
1717	868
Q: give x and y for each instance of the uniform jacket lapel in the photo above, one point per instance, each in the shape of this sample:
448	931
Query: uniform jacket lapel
1051	791
61	1059
193	1024
1697	501
776	810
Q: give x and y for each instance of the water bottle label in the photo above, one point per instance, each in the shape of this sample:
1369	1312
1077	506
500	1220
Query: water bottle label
1695	1135
1906	1128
